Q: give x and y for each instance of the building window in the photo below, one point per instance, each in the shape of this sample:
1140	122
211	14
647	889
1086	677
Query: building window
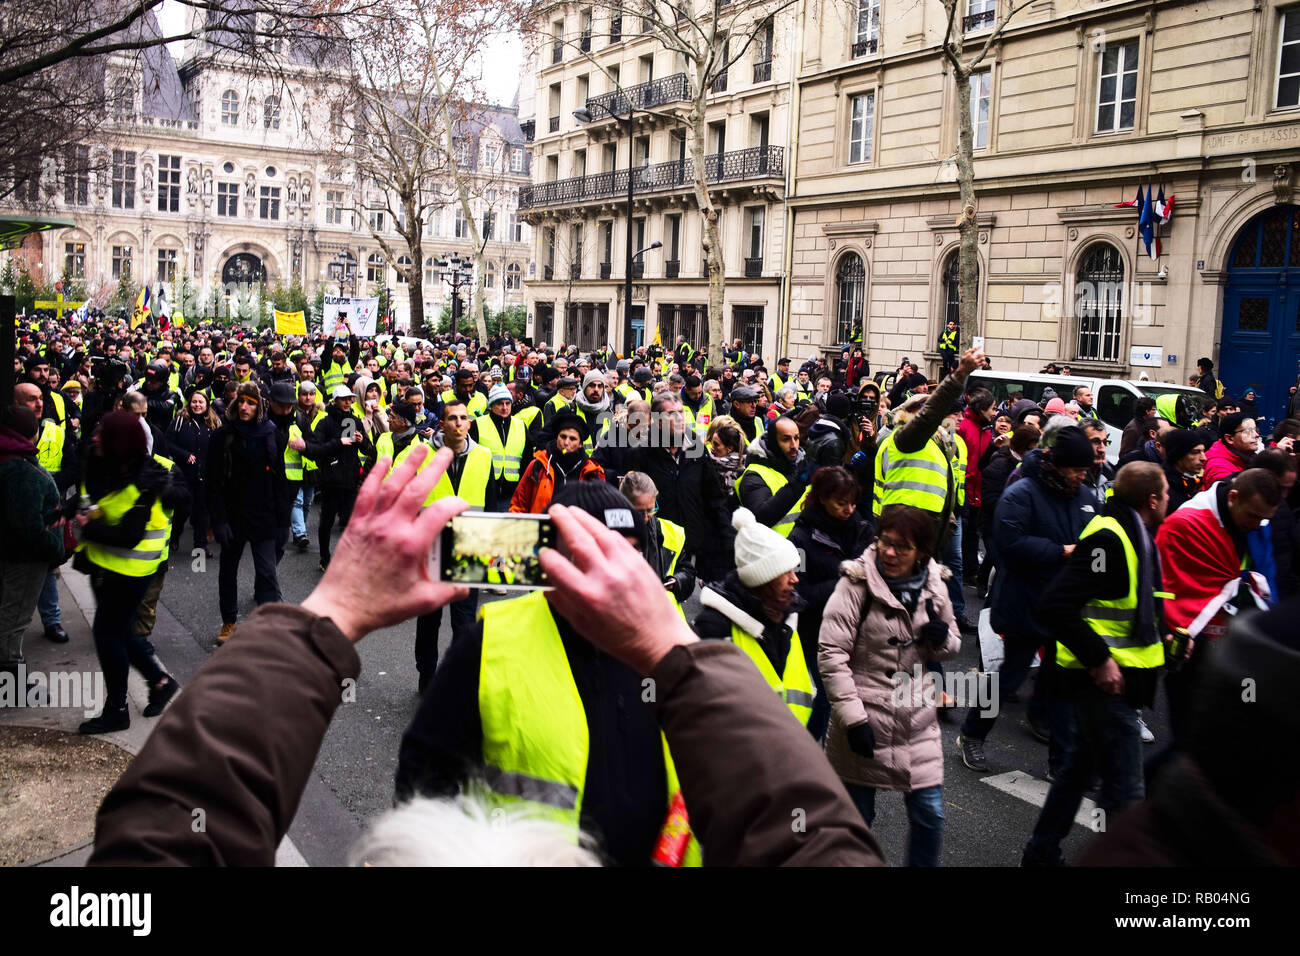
979	108
333	207
1117	87
230	108
1288	61
433	225
489	221
123	179
851	288
377	220
74	259
515	228
862	115
491	155
490	276
1099	300
76	175
952	289
228	199
517	160
269	202
374	267
747	323
166	265
123	98
979	15
514	277
169	184
462	151
754	228
271	113
403	263
462	227
121	262
867	38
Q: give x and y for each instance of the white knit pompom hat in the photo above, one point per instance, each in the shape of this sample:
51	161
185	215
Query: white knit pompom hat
762	555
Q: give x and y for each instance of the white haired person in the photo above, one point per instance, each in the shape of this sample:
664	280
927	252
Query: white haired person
723	725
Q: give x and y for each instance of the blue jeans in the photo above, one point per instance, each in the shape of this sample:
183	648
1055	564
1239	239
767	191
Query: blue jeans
952	559
48	602
301	505
924	813
1107	742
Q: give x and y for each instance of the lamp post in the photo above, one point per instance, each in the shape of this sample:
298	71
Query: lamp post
456	272
343	269
583	115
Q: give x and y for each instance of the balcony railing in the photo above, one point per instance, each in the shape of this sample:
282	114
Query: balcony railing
977	21
753	268
528	127
606	270
719	84
758	162
548	273
865	47
670	89
762	71
553	124
575	270
585	45
615	29
557	52
672	268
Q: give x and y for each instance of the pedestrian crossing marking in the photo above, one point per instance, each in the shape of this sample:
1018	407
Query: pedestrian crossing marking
1030	789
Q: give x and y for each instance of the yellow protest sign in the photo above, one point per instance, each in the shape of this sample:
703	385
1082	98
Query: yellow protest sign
290	323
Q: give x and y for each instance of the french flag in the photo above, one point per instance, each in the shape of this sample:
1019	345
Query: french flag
1133	203
1164	210
1147	226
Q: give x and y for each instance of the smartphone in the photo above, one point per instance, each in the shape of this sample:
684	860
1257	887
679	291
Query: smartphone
977	341
491	550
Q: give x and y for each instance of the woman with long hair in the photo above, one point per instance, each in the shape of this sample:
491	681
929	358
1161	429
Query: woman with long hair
189	438
123	539
374	418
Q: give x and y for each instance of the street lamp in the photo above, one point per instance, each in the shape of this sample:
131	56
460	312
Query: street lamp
583	115
344	269
456	272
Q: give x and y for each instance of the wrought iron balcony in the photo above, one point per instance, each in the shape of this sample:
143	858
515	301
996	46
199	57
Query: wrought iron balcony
554	124
529	127
585	45
742	165
672	268
606	270
762	71
977	21
557	52
575	270
670	89
753	268
719	84
865	47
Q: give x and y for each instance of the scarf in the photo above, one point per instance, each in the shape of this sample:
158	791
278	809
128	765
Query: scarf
1053	480
564	463
728	468
907	590
1148	577
590	410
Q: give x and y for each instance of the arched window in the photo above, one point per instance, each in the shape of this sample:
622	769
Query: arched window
1099	301
490	276
403	262
428	273
514	277
271	113
851	283
952	288
230	108
374	267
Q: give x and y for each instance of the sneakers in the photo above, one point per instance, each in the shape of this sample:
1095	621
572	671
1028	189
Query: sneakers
227	632
1042	733
1147	736
56	633
107	722
301	543
967	628
324	565
160	694
972	753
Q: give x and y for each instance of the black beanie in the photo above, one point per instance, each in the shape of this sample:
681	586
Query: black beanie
406	411
1072	448
1179	442
839	405
604	503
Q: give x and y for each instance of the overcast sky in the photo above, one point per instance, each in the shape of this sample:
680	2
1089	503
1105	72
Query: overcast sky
501	79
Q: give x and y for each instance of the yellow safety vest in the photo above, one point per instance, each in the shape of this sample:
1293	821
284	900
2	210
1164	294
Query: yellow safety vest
775	481
473	479
918	478
142	560
1113	620
385	444
959	469
337	375
794	686
535	736
948	341
701	421
59	407
168	464
507	457
528	415
476	405
294	463
49	447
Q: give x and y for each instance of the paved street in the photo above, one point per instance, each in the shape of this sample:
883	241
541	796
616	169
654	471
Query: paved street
988	816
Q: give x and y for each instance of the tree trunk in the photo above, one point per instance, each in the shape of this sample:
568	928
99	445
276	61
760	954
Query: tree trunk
415	280
709	218
967	224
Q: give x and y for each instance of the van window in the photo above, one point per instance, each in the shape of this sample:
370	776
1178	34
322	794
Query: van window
1115	406
1012	391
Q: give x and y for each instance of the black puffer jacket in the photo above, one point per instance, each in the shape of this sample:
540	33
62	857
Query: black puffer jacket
340	464
993	481
246	480
824	542
827	440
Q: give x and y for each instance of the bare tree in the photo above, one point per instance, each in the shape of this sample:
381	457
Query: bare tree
965	66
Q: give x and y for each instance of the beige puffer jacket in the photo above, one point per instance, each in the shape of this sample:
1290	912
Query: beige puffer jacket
858	665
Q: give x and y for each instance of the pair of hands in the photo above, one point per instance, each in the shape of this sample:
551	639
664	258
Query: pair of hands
602	586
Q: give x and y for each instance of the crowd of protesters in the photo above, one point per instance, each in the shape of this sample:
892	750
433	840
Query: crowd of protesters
832	524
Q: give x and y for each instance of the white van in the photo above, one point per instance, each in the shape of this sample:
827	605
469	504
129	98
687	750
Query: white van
1113	398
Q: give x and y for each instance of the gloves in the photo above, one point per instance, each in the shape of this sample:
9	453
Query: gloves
223	534
934	632
862	739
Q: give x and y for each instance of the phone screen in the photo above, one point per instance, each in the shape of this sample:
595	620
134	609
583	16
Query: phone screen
489	550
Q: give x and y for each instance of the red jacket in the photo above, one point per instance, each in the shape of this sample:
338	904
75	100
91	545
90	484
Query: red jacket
1221	462
977	437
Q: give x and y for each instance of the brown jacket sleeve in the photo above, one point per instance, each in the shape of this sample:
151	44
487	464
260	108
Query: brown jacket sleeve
758	789
921	427
238	744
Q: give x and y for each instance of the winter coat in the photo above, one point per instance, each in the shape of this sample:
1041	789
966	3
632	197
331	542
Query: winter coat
1182	488
978	437
245	481
29	503
752	491
680	479
993	481
538	484
1135	433
1222	462
190	436
715	544
860	654
827	440
339	464
824	543
1030	526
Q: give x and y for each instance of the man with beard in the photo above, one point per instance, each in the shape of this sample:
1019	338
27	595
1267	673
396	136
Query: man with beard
592	405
